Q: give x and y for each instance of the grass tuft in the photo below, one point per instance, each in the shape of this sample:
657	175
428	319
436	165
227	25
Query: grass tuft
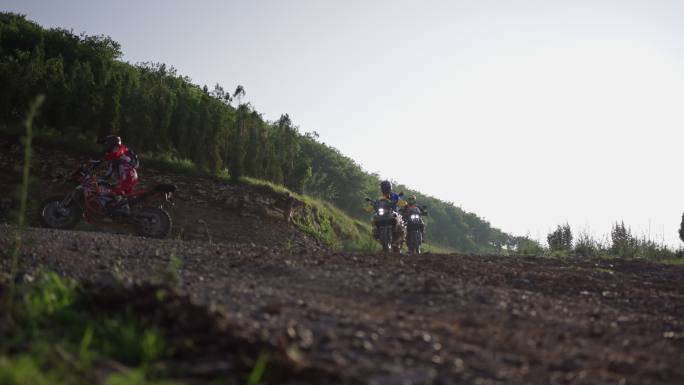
23	197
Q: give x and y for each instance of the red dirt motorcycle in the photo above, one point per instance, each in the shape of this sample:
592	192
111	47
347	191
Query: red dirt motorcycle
89	202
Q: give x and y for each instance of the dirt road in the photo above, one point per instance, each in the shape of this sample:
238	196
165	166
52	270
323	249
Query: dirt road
433	319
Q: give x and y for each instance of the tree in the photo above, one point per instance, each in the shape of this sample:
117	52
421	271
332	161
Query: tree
623	243
560	239
239	94
110	117
300	174
237	148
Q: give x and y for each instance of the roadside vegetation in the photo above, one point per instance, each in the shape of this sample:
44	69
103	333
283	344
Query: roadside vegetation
55	332
50	338
621	243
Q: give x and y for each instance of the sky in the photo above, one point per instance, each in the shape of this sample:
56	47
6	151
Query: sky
528	113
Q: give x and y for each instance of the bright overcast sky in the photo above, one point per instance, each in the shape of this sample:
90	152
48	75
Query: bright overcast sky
528	113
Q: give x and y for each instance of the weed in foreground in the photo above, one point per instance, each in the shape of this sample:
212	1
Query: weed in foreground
258	371
170	273
23	197
56	338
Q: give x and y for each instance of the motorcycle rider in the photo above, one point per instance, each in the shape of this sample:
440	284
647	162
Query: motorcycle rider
412	207
399	231
387	193
122	167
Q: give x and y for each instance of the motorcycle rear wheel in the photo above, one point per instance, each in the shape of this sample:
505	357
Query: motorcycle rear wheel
414	242
54	216
154	222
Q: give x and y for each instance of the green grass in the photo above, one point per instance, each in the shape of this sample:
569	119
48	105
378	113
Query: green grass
171	163
671	261
23	195
55	332
258	371
58	339
324	221
436	249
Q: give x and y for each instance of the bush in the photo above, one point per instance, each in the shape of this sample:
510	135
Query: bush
586	246
527	246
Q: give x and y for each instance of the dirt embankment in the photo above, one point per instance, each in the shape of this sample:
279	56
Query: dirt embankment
204	209
433	319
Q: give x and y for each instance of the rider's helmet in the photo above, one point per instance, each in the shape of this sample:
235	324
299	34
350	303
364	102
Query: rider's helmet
109	142
411	200
386	187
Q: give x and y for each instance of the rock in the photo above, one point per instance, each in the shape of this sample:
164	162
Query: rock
23	277
105	279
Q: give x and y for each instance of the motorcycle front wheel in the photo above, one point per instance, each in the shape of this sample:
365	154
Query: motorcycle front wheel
56	216
414	242
386	238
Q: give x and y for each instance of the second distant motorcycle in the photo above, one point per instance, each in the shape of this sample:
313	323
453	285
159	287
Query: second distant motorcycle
415	226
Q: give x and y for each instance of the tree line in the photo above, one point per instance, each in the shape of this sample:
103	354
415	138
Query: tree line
90	92
620	243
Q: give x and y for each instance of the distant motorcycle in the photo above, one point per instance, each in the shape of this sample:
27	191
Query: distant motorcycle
88	202
414	227
388	224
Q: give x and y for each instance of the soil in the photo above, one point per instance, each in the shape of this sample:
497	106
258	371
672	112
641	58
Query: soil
345	318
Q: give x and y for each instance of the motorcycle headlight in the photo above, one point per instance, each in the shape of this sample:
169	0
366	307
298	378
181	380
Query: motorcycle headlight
381	211
415	217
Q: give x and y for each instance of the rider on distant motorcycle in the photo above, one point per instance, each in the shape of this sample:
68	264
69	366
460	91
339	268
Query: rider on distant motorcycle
122	167
387	193
410	208
399	230
411	204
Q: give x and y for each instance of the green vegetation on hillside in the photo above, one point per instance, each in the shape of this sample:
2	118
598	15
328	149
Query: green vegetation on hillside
90	92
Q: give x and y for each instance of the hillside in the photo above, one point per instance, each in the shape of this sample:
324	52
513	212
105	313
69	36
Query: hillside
90	92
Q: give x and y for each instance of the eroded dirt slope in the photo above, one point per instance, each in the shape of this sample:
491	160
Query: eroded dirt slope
433	319
204	208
